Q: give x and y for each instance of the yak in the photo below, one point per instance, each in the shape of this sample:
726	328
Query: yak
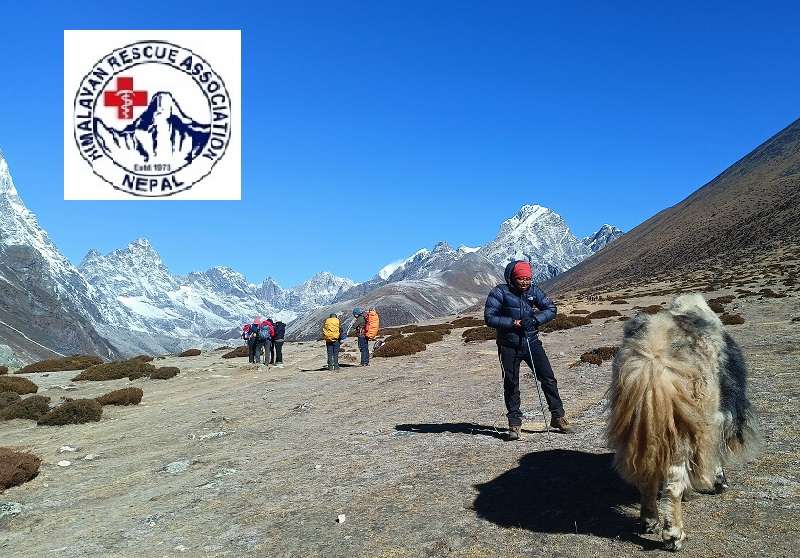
679	410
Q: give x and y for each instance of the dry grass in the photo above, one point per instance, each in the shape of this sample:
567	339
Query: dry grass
77	411
399	347
131	369
598	355
7	398
238	352
716	307
124	396
561	322
477	334
769	293
428	337
592	358
165	373
580	311
3	370
74	362
722	299
603	314
389	331
467	321
732	319
447	328
652	309
142	358
16	384
17	467
32	407
619	301
190	353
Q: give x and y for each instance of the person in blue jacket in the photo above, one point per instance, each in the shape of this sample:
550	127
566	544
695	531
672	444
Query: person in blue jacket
516	310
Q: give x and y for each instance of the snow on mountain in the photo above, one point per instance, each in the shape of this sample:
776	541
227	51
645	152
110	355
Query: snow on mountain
467	249
46	306
540	235
318	291
387	270
605	235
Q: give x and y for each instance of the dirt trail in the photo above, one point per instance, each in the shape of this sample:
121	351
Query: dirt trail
229	459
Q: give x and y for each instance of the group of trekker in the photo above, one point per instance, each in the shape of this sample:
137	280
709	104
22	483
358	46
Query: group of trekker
265	335
365	325
515	309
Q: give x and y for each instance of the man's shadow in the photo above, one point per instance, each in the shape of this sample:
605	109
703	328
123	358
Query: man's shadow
562	491
453	428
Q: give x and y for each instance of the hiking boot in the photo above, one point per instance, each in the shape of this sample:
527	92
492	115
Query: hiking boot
330	367
513	433
561	424
279	365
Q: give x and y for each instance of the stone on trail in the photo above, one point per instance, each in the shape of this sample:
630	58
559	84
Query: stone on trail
10	508
177	467
64	463
341	518
64	449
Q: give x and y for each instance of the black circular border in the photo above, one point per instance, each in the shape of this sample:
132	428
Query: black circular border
75	135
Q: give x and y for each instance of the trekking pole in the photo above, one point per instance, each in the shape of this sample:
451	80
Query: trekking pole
536	383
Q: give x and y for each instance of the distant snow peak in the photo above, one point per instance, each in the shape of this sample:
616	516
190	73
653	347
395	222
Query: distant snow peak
467	249
540	235
604	236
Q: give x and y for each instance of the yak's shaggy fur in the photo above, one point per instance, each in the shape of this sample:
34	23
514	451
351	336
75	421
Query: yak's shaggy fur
679	408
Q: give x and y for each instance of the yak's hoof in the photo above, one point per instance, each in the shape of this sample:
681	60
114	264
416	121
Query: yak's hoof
673	539
649	526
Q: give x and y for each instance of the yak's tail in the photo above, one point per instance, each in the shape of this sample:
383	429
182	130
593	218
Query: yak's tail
654	419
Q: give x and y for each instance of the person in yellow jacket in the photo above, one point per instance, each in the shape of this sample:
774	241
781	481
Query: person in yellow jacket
332	332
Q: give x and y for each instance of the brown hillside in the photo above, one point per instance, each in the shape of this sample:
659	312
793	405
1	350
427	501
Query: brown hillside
753	206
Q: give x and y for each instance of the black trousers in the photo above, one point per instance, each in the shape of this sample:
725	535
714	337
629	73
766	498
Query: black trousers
511	359
363	346
276	352
251	349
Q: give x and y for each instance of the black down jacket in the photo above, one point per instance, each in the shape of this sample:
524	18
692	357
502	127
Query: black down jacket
506	303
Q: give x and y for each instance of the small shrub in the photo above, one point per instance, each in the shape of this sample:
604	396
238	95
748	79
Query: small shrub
592	358
652	309
142	358
732	319
124	396
3	370
399	347
77	411
769	293
580	311
241	351
165	373
467	321
477	334
74	362
393	337
722	299
561	322
619	301
33	407
716	307
131	369
602	314
384	331
224	348
19	385
7	398
17	467
623	318
190	352
428	337
447	328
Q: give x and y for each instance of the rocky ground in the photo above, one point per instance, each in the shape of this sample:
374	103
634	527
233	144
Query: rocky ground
230	459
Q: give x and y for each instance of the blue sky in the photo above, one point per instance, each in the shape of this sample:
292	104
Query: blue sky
372	129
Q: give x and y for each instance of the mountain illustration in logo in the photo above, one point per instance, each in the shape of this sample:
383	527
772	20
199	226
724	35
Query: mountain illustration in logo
162	134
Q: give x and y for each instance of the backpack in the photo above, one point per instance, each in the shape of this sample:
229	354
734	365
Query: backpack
373	325
267	331
253	331
331	329
245	331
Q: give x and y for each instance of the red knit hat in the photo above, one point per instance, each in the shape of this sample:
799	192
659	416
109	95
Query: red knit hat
522	270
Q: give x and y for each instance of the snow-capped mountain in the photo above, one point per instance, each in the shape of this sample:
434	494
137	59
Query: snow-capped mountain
387	270
604	236
540	235
46	306
162	134
200	304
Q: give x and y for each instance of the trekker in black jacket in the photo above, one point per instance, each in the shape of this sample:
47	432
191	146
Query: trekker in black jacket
276	352
516	310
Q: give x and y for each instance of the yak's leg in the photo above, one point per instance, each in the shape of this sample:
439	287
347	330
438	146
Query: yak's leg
677	482
720	481
648	515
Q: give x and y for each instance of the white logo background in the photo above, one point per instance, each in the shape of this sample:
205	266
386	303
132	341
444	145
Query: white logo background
220	49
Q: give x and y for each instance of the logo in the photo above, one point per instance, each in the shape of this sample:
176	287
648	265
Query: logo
153	118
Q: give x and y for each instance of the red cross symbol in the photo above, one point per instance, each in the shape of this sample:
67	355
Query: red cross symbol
125	98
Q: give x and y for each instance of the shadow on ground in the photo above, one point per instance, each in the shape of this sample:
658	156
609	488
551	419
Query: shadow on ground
453	428
561	491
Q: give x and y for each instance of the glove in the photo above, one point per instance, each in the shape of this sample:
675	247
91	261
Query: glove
530	324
